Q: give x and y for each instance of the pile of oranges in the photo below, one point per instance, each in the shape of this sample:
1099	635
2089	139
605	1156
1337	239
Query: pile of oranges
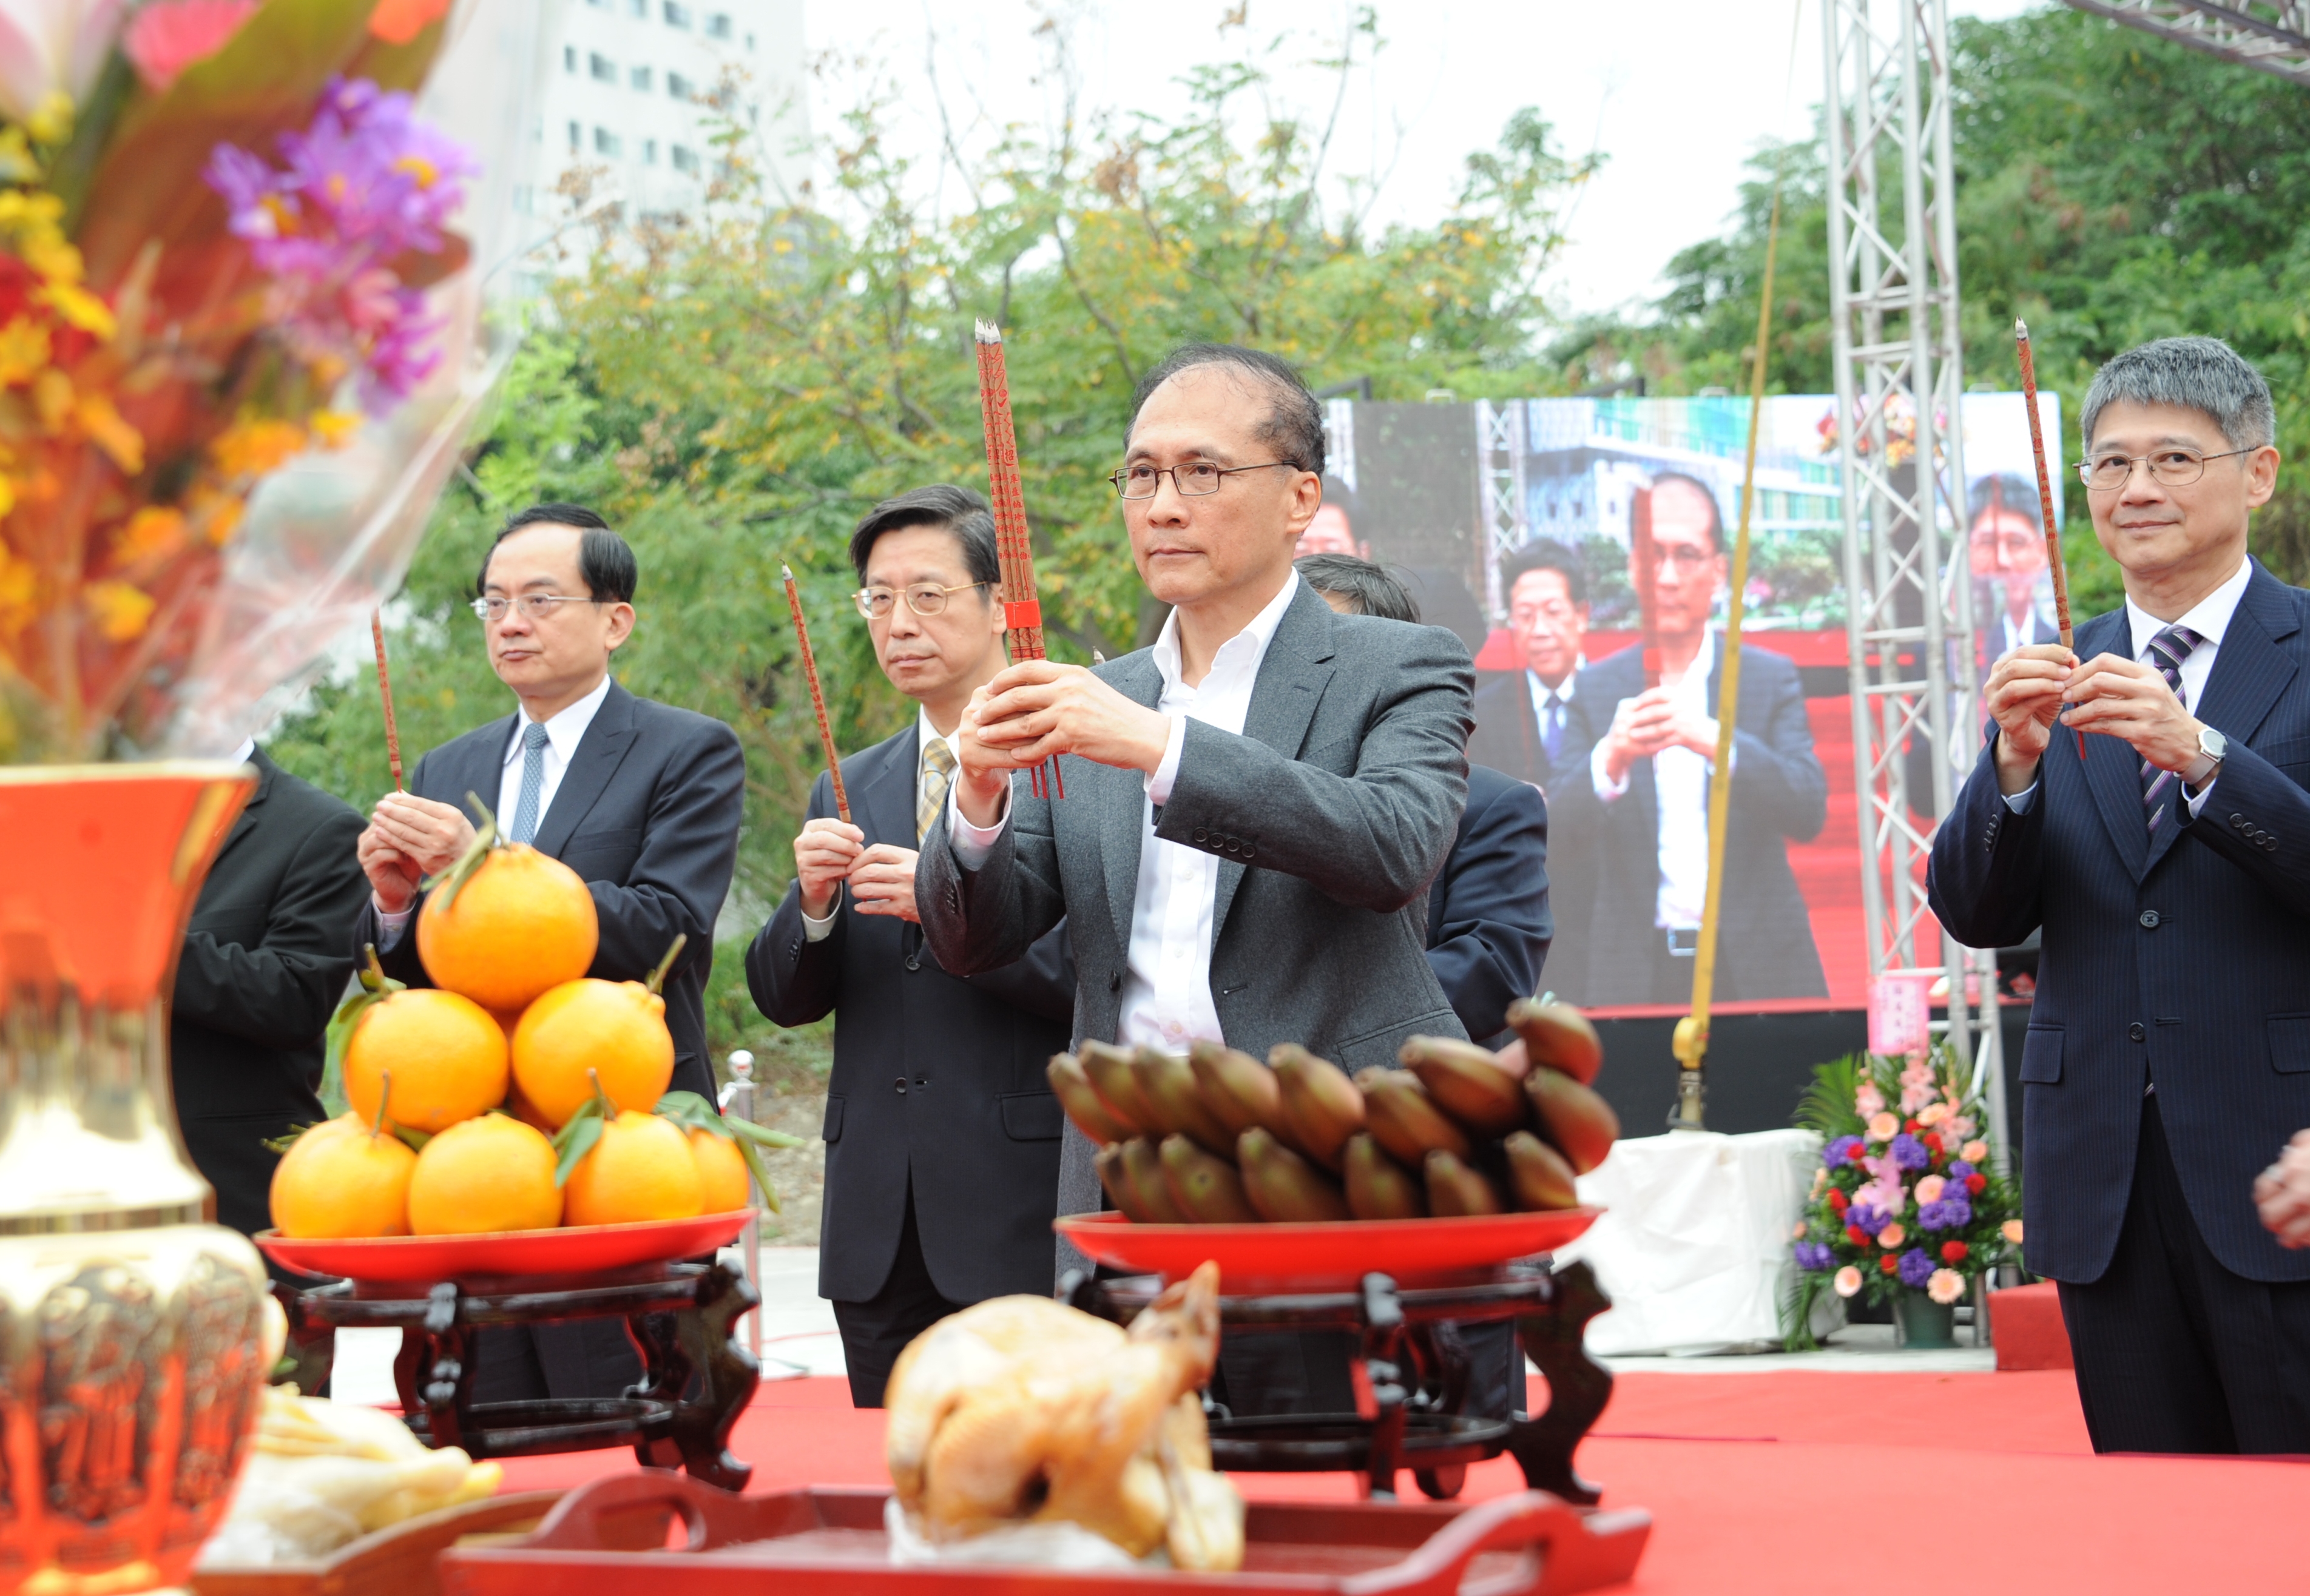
516	1093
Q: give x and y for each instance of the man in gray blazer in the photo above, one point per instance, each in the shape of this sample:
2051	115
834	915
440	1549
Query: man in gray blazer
1255	806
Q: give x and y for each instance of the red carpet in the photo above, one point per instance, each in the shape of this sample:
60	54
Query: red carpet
1792	1481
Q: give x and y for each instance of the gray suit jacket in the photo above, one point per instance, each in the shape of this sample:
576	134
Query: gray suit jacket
1330	815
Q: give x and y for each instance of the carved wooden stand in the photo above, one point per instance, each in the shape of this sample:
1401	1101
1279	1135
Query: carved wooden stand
1416	1371
678	1315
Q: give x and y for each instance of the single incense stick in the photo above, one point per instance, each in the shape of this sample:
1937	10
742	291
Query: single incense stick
2046	495
1023	612
817	695
385	692
1646	558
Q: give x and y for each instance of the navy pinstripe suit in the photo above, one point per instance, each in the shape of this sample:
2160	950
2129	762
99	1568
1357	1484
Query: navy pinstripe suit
2181	958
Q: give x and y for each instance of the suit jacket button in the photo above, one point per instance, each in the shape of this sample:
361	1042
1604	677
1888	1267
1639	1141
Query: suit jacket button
2238	822
2134	1031
914	961
1202	833
900	1085
1250	852
2149	920
2268	843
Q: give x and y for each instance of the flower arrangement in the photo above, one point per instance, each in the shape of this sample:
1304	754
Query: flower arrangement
1906	1198
220	221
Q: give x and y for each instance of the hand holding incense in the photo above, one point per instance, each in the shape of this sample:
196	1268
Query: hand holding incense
817	695
1023	612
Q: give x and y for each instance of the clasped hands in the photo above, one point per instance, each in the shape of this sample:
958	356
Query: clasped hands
1654	720
1037	710
2040	686
408	839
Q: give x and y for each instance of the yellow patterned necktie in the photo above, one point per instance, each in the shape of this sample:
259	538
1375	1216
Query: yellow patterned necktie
930	791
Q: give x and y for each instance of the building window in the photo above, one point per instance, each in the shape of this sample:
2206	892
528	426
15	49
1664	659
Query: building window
650	151
604	70
677	15
569	58
677	85
684	161
717	26
639	79
577	138
606	142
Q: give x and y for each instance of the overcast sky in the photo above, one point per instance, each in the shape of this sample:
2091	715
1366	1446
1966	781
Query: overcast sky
1675	93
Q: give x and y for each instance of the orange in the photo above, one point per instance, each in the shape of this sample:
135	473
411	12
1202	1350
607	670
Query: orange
615	1028
721	1181
338	1179
484	1175
522	922
642	1168
446	1054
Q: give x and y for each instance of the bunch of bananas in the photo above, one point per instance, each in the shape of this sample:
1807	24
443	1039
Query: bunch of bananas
1219	1137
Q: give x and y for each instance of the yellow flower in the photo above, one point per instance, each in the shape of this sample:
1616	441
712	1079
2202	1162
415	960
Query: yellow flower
81	307
114	436
119	609
426	173
52	397
221	520
51	121
334	427
251	448
153	532
23	350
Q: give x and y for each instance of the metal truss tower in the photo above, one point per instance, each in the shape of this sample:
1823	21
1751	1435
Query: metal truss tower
1892	243
2271	36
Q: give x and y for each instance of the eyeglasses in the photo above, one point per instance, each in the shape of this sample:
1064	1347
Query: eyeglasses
535	606
1684	556
924	598
2169	468
1195	478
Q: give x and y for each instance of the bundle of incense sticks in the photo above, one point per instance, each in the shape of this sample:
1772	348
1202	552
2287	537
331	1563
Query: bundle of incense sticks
817	695
2045	495
1023	612
1645	557
385	692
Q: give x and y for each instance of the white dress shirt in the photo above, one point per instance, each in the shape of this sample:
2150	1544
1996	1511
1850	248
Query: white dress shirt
1167	987
563	732
817	931
1681	780
2209	617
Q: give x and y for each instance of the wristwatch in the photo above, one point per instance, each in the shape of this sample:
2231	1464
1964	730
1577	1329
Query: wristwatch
2213	748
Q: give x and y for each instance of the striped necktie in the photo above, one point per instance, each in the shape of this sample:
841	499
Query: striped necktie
2167	650
930	792
525	808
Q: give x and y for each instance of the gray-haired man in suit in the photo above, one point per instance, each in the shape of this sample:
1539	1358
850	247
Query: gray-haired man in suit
1255	806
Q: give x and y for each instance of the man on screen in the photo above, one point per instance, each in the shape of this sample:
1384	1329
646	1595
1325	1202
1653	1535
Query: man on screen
2007	551
1645	798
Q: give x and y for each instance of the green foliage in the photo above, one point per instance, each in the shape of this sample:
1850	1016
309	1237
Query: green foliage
1826	1109
2112	188
733	390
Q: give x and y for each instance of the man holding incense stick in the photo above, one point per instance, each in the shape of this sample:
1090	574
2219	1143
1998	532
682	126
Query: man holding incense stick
2169	867
941	1133
1255	806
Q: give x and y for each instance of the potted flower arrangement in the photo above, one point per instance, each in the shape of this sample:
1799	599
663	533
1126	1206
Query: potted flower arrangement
241	342
1907	1206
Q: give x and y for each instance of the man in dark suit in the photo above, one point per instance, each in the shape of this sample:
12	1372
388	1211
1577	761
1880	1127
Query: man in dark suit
2168	1052
1255	807
941	1133
1535	724
1645	798
641	799
264	963
1488	926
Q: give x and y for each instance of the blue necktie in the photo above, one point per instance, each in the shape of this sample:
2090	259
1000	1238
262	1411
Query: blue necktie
1552	724
2167	650
532	783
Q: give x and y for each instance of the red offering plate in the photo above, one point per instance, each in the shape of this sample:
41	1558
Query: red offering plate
573	1249
1325	1254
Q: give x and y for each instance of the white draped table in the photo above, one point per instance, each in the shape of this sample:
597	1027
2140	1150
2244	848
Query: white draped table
1693	1247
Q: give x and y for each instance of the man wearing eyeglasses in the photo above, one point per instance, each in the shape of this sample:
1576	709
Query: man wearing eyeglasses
941	1133
641	799
2164	855
1645	798
1254	807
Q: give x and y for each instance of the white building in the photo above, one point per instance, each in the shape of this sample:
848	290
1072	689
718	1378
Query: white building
625	86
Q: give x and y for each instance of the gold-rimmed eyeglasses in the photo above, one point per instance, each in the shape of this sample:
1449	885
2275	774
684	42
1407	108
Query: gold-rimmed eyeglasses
535	606
1195	478
2168	467
924	598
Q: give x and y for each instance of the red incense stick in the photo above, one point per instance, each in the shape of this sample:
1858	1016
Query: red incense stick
1023	612
2046	495
817	695
1645	555
385	692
